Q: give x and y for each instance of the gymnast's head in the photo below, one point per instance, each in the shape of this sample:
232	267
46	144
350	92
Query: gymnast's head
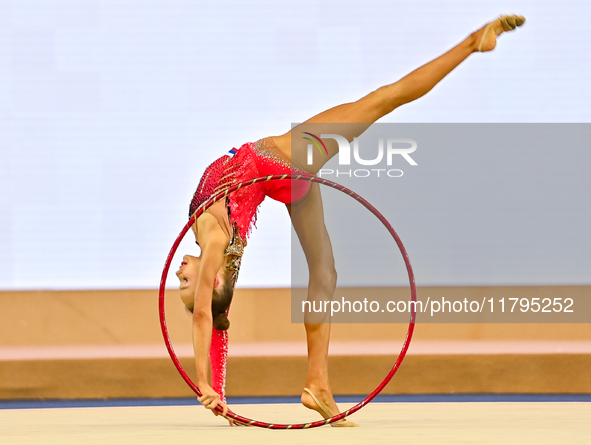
223	290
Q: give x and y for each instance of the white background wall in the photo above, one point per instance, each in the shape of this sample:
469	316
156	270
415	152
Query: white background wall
110	111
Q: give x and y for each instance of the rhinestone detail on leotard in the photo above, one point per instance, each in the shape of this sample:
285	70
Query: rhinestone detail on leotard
235	250
267	148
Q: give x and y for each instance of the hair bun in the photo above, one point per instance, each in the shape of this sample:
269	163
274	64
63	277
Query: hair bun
221	322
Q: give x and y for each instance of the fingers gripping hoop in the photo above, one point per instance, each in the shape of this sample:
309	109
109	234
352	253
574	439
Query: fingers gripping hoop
222	195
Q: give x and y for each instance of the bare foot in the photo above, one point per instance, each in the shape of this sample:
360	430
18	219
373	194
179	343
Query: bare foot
487	36
323	403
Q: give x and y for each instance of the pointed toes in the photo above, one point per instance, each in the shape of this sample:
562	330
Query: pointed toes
510	22
520	20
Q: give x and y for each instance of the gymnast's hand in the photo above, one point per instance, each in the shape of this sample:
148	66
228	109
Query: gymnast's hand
234	422
211	399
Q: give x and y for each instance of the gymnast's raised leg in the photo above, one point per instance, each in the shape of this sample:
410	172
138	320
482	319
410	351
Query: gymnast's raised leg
384	100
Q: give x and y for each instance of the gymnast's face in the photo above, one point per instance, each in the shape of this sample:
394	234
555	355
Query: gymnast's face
188	275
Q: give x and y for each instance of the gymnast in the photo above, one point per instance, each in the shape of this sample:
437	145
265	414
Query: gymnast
207	282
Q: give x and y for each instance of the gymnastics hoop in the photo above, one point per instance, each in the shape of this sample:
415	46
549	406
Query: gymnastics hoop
301	177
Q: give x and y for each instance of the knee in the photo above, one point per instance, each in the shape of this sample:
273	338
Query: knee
324	279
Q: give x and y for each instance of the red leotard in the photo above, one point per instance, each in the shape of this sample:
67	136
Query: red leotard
252	160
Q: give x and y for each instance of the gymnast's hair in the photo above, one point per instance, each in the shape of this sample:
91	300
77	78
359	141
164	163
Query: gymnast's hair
220	302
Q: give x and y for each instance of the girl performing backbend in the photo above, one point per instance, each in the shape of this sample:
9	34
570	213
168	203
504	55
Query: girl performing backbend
207	281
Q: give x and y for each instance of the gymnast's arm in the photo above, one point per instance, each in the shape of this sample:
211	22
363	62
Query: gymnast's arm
213	241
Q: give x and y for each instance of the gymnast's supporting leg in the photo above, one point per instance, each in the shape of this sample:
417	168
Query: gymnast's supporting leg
308	220
384	100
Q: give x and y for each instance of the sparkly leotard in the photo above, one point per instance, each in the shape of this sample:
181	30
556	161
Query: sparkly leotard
237	215
250	161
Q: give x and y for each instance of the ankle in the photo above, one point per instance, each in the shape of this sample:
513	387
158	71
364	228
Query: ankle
473	39
319	386
320	391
